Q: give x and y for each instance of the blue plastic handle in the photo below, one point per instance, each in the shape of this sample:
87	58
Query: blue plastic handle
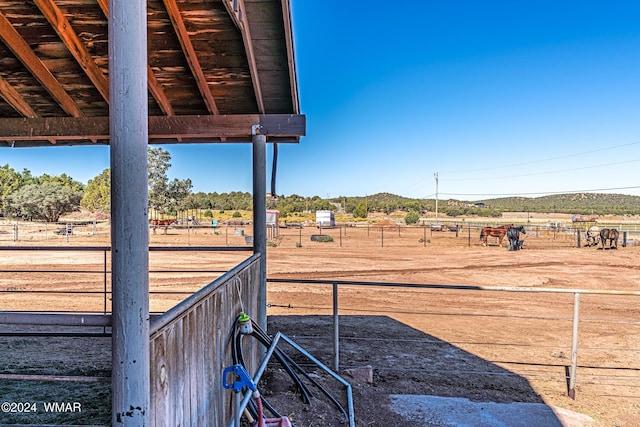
241	378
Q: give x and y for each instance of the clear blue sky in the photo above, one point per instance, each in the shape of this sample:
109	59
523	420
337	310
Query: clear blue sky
500	98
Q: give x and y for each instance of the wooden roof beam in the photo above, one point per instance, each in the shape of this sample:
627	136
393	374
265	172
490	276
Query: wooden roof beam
190	55
160	127
21	49
71	40
154	86
288	36
237	12
16	100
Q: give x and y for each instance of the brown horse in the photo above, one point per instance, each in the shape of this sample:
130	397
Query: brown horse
161	223
610	234
498	232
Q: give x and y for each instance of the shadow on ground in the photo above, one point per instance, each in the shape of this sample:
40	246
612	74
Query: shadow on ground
416	379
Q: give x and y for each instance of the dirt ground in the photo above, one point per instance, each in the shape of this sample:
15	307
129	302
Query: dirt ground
485	345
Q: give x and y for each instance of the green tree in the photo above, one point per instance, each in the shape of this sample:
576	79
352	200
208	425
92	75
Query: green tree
360	210
158	180
10	182
412	217
454	212
44	201
64	180
165	196
178	192
97	194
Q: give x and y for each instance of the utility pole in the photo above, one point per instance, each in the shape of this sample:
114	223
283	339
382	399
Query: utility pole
436	176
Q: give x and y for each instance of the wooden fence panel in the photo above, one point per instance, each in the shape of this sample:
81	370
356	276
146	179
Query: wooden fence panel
190	347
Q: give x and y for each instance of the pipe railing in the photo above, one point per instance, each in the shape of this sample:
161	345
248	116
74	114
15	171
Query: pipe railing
105	270
575	320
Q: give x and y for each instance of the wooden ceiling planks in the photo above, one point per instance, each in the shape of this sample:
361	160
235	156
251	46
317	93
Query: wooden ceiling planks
205	58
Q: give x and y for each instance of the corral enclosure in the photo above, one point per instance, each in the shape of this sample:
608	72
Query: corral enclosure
525	334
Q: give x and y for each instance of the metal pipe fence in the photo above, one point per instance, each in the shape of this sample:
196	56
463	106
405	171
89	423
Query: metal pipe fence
575	320
93	330
92	280
460	234
381	234
69	232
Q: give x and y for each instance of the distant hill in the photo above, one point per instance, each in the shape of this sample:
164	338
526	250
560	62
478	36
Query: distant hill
575	203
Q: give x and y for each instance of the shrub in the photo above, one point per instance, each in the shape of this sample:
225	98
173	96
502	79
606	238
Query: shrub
412	217
454	212
321	238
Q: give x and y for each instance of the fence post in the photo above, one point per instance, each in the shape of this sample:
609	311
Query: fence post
574	346
15	232
104	273
424	234
624	239
382	234
336	330
578	236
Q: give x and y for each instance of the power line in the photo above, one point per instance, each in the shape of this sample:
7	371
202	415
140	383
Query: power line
420	182
545	173
547	159
596	190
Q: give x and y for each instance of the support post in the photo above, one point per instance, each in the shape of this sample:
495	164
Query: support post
336	329
129	134
574	346
424	234
260	218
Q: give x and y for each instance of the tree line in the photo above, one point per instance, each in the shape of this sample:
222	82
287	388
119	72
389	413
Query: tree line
47	198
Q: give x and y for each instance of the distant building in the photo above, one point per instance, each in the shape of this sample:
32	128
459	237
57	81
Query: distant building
273	216
325	219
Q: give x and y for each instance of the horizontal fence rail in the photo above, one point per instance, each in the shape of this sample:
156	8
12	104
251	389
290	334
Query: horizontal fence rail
100	286
389	233
575	320
455	233
188	342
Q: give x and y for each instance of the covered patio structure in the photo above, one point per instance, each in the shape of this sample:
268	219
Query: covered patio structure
128	73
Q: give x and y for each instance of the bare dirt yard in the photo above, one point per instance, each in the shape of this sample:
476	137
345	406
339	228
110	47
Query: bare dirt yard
471	341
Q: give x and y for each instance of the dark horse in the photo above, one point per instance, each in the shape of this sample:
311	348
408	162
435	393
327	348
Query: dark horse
610	234
513	234
498	232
